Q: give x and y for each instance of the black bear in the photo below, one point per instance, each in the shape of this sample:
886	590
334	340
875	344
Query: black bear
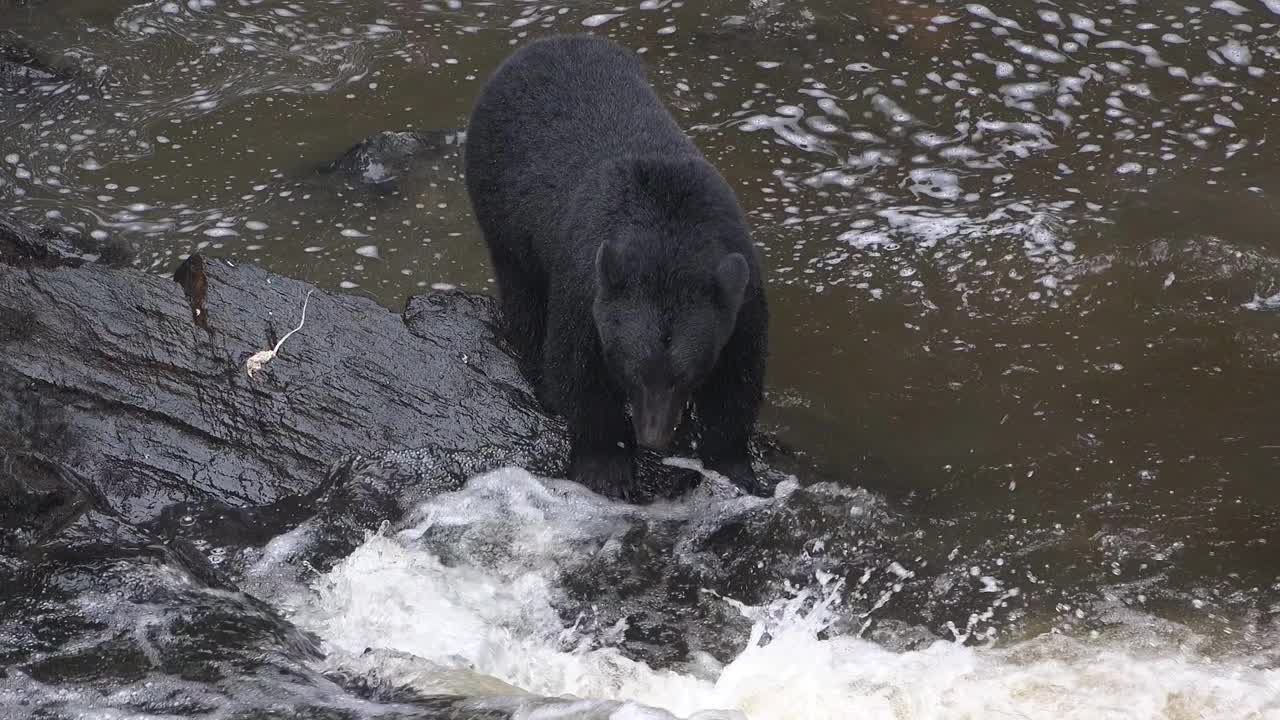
624	263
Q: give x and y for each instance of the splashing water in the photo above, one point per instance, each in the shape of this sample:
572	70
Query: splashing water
486	625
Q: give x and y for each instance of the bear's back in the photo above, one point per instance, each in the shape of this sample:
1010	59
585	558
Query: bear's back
553	113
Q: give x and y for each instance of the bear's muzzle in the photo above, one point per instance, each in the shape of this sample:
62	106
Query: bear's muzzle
656	415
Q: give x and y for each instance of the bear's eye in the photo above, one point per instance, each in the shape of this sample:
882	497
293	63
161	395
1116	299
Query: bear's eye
666	339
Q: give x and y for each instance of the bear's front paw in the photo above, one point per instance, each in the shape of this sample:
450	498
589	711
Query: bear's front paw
741	473
612	476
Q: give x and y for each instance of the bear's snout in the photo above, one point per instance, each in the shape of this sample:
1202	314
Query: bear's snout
657	413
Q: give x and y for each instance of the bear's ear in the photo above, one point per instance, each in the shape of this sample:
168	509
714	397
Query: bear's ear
609	266
732	276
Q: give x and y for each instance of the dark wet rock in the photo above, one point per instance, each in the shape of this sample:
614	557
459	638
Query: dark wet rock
21	69
92	605
112	369
137	458
131	630
387	161
133	448
22	243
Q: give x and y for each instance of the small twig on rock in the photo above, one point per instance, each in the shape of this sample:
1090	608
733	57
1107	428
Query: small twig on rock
259	360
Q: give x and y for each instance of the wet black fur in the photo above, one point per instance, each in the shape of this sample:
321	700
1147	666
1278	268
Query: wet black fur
569	147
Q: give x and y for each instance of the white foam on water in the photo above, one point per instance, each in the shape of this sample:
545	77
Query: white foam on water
488	629
600	19
1269	303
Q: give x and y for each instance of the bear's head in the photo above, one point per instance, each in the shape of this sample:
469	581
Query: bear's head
662	326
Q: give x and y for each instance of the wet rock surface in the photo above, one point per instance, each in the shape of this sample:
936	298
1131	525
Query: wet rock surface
48	246
132	441
390	161
143	385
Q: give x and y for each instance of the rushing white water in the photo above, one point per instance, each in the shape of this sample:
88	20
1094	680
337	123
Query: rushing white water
484	625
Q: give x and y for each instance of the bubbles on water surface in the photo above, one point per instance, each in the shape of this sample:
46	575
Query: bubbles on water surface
1080	107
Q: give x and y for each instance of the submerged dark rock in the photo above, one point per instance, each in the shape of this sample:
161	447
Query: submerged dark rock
22	243
28	72
20	68
386	161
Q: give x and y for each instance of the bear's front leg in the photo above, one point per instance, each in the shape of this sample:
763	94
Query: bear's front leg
602	455
728	404
724	446
602	445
